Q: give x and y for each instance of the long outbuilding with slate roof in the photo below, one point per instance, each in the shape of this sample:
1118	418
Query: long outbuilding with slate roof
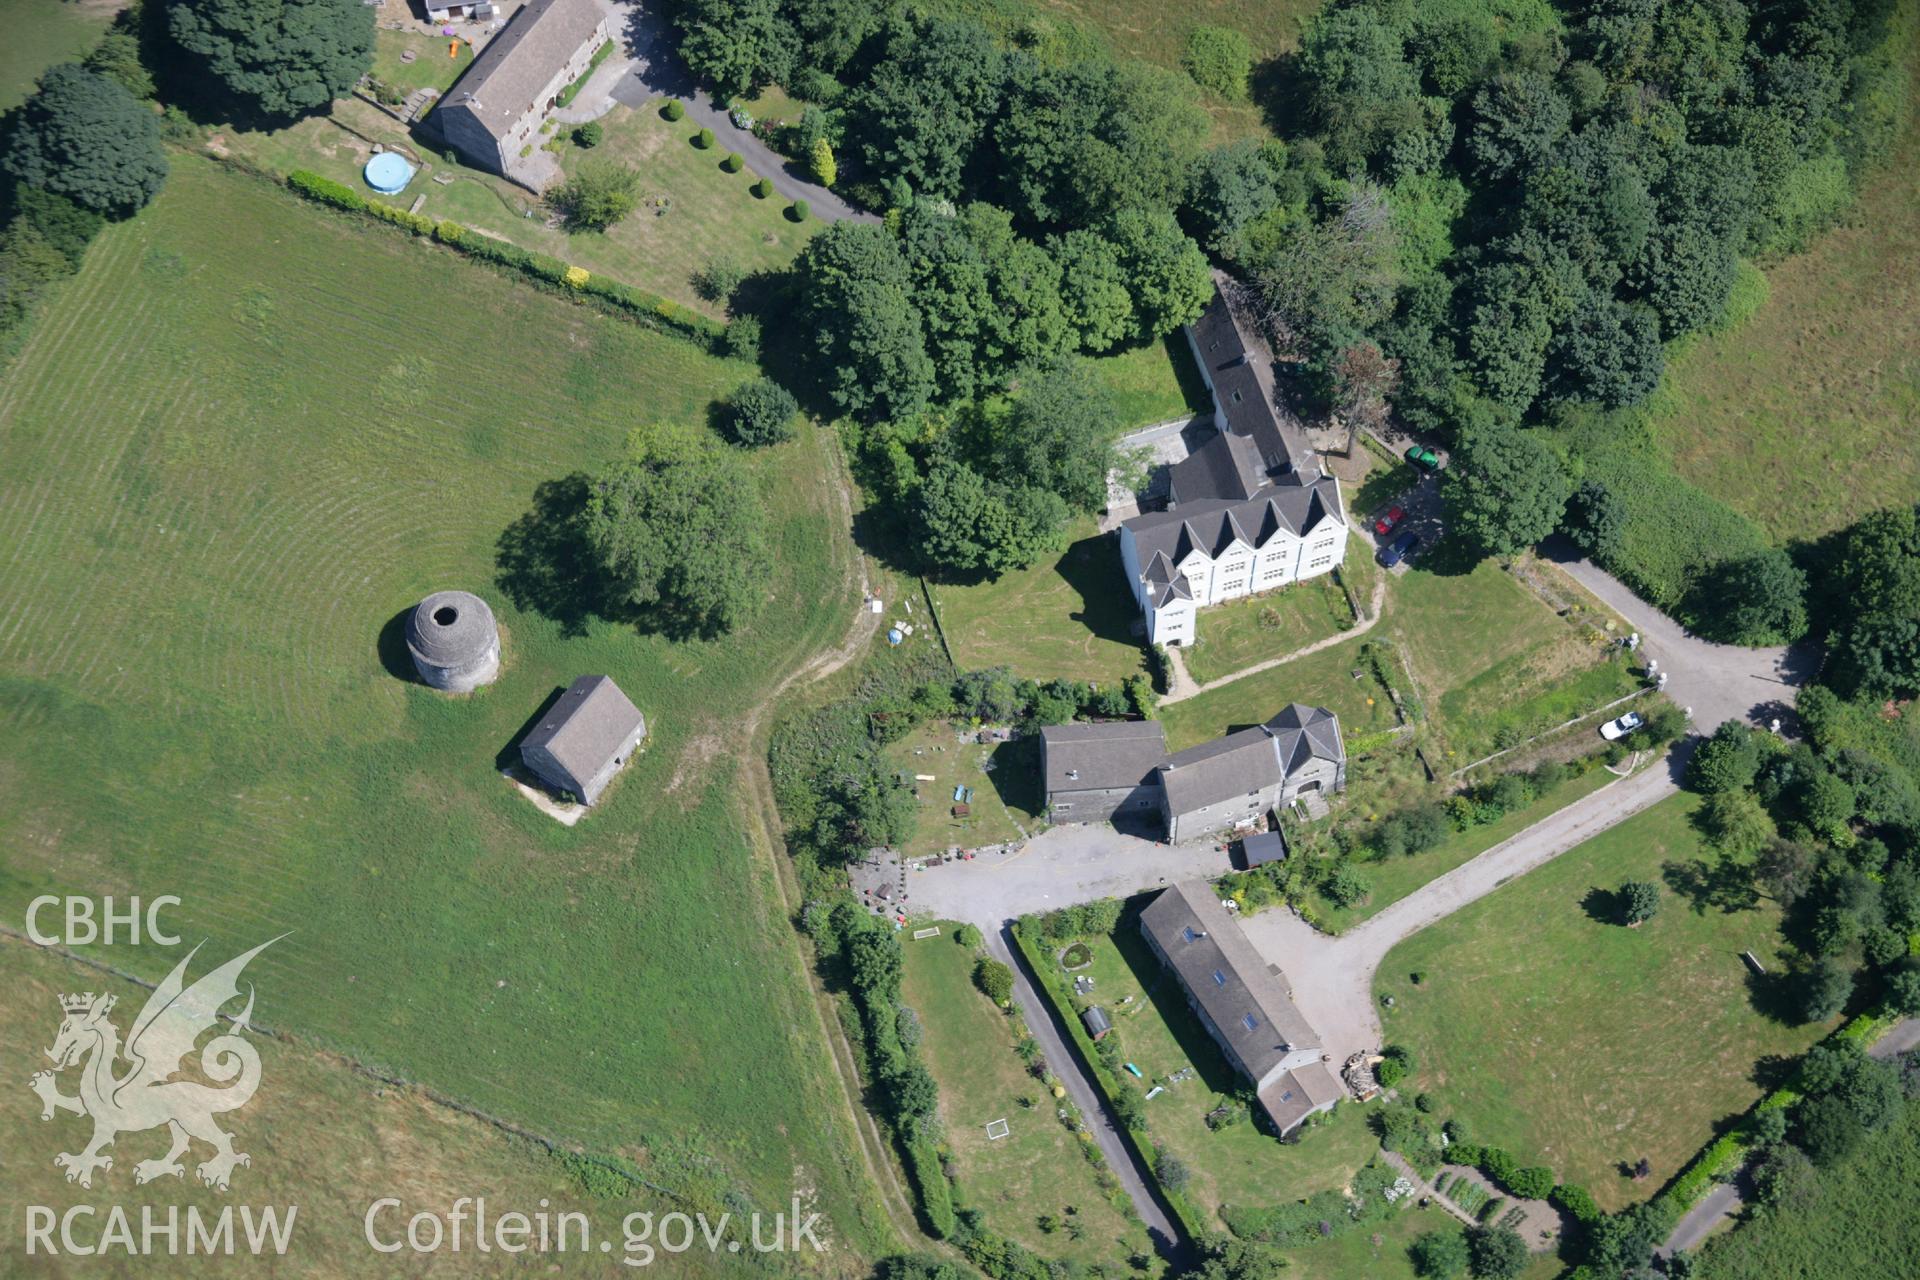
494	111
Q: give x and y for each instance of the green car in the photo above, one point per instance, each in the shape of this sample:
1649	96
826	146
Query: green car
1423	458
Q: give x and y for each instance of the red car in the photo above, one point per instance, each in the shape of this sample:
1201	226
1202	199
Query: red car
1385	524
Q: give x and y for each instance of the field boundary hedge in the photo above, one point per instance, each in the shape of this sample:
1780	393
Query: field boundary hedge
539	269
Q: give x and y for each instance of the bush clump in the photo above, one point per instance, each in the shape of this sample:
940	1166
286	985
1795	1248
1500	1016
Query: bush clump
673	110
704	139
761	413
589	135
1220	60
799	211
733	163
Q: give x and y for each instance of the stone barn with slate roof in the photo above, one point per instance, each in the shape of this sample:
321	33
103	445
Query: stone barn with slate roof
1243	1003
1096	772
494	111
584	738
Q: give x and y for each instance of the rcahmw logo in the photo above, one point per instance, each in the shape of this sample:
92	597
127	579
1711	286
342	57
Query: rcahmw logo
147	1094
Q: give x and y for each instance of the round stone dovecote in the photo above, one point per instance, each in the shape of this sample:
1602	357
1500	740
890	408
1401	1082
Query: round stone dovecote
454	641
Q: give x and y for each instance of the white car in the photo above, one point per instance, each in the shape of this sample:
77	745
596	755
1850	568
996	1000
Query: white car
1614	730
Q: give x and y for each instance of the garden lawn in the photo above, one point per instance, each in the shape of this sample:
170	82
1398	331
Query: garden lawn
1323	679
1857	1224
41	33
691	212
1071	617
1158	1032
1394	878
1005	800
1576	1042
1154	383
1805	417
431	67
1039	1167
230	462
321	1136
1493	663
1234	636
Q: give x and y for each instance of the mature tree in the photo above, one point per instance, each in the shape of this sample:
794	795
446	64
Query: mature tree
761	412
29	265
1057	434
1824	989
67	226
1095	292
952	290
1639	901
1755	599
1440	1255
1608	353
741	46
1238	186
1323	285
1596	520
1903	987
1453	49
1517	117
599	194
966	524
85	137
1827	1129
1171	281
1497	1253
994	979
117	57
1364	377
279	58
857	296
1025	321
1358	76
924	108
1738	824
1219	59
1727	761
676	531
1505	489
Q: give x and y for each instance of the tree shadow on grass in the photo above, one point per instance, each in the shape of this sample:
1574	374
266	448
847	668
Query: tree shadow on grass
1721	885
1775	996
1603	906
543	563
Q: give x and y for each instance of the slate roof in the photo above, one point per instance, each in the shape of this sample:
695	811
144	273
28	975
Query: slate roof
1263	847
1302	733
1241	369
1297	1093
1213	524
591	722
1226	977
1226	466
1236	765
451	629
505	81
1099	757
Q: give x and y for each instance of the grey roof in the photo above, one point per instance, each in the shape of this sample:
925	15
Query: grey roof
1165	584
1226	977
451	629
1098	1023
1241	370
1299	1092
589	724
1226	466
1236	765
1263	847
507	78
1098	757
1303	733
1292	503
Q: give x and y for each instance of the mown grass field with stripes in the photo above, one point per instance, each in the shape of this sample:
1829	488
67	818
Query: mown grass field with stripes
234	450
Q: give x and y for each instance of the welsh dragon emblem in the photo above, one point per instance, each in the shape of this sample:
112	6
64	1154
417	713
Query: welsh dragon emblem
146	1093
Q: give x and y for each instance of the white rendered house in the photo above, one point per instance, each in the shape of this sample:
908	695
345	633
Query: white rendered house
1249	511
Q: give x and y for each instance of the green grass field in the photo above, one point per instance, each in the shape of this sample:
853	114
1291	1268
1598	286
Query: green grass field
692	212
1493	663
1323	679
1006	798
1039	1167
430	68
1071	617
1854	1224
1234	636
238	446
1576	1042
1154	383
41	33
322	1137
1806	416
1159	1033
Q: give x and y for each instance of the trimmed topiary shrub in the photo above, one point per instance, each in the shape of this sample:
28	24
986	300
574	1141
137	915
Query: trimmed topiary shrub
733	163
762	189
325	190
673	110
704	139
798	211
